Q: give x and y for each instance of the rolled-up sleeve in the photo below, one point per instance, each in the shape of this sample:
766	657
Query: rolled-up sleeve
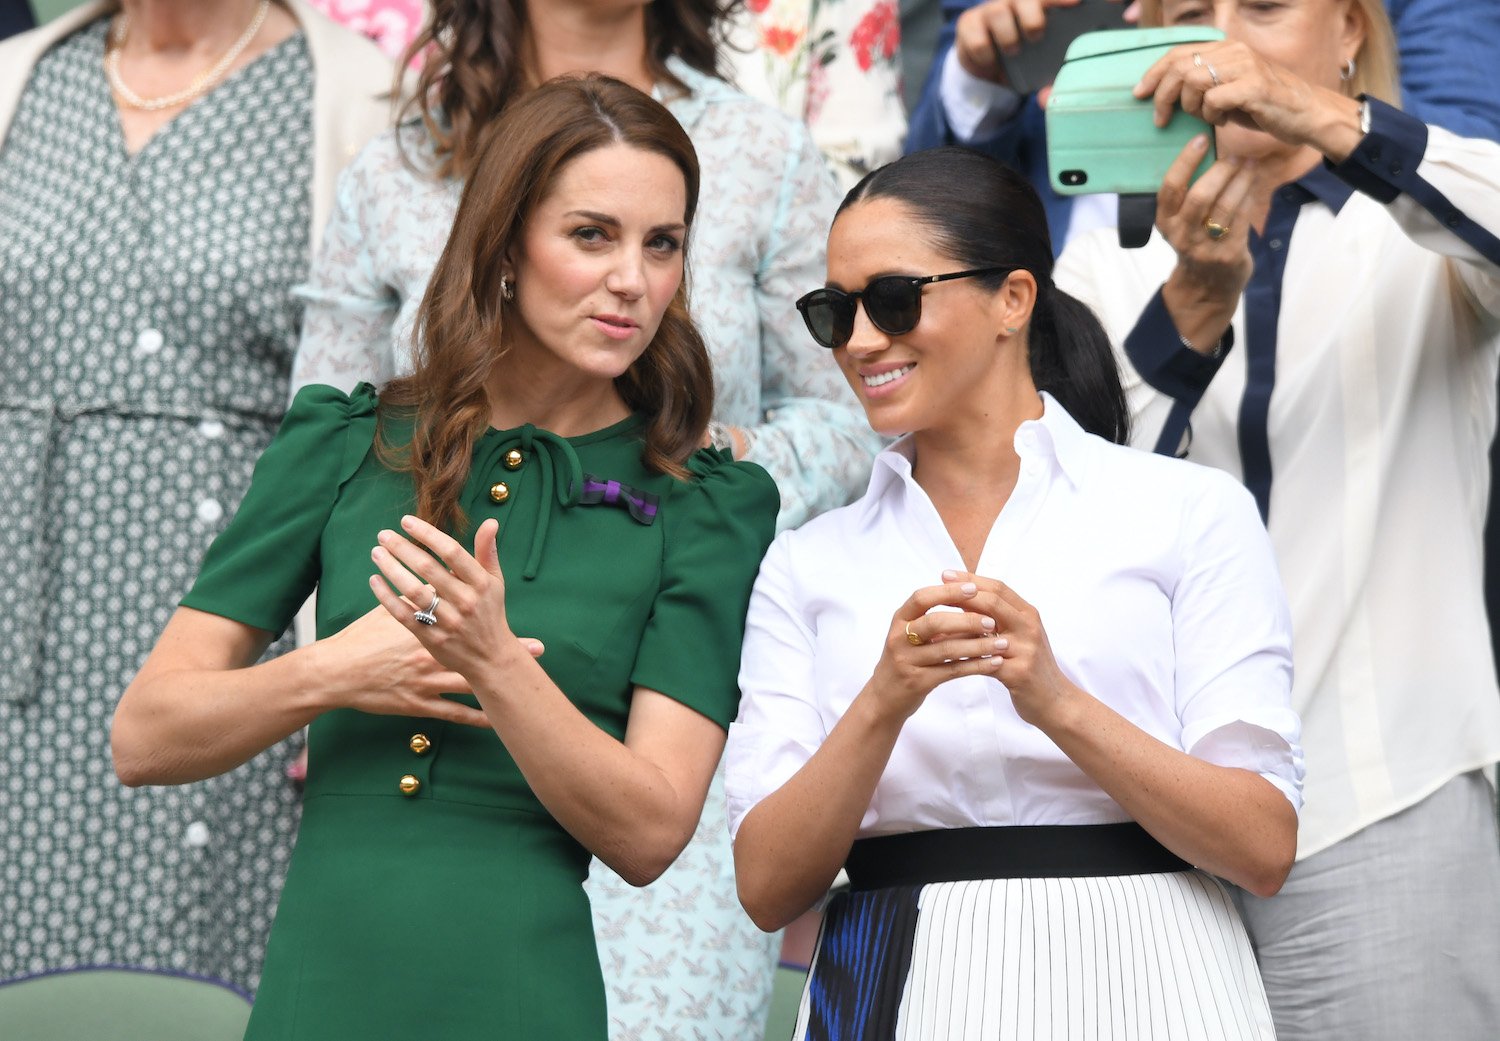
1232	631
779	727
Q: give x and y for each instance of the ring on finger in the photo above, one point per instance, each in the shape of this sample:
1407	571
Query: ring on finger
1215	230
1211	73
1198	59
912	638
427	617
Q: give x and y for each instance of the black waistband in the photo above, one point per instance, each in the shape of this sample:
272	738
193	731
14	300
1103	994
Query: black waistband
1039	851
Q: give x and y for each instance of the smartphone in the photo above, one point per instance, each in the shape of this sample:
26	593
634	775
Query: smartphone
1100	136
1036	64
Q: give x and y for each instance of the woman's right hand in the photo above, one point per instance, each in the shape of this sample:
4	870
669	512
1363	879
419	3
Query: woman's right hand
1204	289
947	645
377	666
987	29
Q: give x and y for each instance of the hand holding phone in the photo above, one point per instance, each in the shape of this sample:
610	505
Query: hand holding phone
1021	43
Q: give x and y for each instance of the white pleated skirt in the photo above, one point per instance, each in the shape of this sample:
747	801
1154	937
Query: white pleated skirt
1142	957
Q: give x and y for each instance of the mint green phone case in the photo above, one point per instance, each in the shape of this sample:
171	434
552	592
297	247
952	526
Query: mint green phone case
1100	137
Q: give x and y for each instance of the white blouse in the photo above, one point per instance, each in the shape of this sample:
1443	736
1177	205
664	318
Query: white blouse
1358	399
1156	584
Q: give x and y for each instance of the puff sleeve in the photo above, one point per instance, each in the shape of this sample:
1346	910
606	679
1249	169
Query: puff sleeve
267	561
717	529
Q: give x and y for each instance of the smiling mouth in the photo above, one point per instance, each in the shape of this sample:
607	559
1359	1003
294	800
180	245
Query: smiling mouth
887	377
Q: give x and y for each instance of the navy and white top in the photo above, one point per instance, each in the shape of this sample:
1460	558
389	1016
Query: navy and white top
1357	403
1154	580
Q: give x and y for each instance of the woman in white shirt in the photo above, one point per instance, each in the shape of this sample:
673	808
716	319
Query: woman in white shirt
1319	317
1083	689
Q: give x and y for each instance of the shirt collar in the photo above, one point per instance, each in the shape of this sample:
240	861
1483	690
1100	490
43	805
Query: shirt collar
687	107
1055	438
1323	184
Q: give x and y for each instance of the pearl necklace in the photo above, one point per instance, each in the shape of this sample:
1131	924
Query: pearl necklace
201	82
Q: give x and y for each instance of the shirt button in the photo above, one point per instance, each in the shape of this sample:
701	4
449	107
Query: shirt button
149	341
409	785
499	491
1395	170
1276	243
210	512
196	835
513	459
420	743
211	428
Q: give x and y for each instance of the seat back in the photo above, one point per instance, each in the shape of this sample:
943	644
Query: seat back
115	1004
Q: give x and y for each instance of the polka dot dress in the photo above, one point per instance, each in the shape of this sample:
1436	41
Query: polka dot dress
146	332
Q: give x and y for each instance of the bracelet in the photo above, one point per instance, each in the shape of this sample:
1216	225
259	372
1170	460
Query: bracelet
1215	354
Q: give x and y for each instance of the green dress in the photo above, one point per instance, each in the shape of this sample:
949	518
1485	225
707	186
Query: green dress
430	894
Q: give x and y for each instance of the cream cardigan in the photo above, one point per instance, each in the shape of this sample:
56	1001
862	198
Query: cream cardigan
351	94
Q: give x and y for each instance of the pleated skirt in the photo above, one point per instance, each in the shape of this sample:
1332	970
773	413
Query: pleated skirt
1157	956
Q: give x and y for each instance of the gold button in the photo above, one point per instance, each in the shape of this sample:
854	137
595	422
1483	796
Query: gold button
513	459
410	785
499	491
420	743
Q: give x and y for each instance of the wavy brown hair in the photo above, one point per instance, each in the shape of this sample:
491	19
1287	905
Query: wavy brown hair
461	332
473	54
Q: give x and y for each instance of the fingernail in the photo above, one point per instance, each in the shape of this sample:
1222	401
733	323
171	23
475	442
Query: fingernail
988	623
407	520
968	589
949	576
384	535
1001	643
1200	142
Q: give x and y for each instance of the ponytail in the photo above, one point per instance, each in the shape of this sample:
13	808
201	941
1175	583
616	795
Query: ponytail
997	221
1071	358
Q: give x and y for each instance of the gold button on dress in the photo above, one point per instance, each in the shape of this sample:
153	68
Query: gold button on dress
409	784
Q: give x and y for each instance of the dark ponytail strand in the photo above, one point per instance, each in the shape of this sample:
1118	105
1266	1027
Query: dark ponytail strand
984	214
1072	359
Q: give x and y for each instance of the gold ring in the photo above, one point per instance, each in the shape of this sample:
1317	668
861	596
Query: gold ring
1216	231
912	638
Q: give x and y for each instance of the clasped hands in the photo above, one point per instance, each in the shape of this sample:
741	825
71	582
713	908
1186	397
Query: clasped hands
992	632
391	672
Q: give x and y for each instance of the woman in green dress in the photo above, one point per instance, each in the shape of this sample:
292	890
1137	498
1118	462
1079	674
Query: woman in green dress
553	423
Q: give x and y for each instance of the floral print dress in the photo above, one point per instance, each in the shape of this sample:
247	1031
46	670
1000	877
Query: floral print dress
834	64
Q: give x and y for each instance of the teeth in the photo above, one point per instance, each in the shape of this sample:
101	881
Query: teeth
886	377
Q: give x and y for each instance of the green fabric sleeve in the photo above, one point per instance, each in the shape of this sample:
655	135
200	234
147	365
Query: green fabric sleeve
265	564
717	530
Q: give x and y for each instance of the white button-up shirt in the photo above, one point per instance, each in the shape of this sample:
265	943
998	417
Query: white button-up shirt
1155	583
1358	400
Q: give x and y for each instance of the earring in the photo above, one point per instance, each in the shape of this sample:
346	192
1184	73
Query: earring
1011	330
506	289
1346	71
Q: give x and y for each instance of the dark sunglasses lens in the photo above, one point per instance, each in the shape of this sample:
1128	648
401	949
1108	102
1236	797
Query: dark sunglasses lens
829	316
893	304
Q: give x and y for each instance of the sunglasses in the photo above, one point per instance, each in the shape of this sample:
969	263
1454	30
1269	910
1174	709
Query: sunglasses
893	303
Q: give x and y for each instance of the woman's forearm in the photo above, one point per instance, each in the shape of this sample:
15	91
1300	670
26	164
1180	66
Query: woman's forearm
1232	823
791	846
182	722
633	804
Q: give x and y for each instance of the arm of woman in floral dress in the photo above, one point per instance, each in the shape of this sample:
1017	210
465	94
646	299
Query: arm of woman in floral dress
813	439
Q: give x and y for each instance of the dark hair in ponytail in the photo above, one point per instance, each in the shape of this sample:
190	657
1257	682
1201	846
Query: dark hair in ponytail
984	214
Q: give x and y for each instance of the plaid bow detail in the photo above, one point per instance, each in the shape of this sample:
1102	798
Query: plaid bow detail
642	505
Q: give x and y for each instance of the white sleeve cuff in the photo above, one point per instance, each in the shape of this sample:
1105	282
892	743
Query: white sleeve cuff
975	108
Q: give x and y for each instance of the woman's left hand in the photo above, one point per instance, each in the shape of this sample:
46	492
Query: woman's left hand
1227	82
471	631
1037	685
